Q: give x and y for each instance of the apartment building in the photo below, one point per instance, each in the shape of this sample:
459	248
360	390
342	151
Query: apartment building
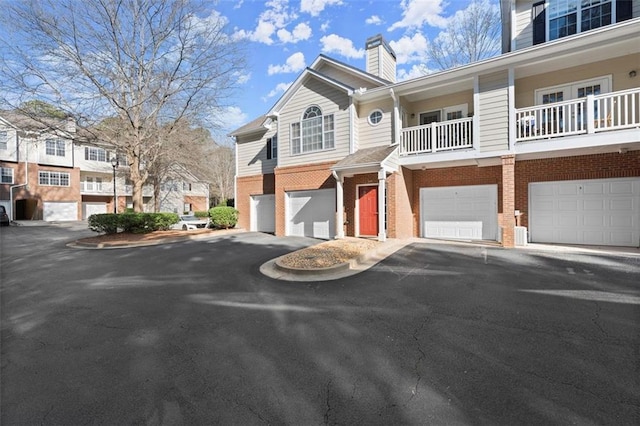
46	174
539	144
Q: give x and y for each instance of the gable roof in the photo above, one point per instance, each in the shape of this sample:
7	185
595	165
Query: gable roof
260	124
28	123
348	68
366	158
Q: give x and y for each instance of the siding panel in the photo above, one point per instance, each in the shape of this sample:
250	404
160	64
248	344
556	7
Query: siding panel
524	24
494	111
252	155
380	135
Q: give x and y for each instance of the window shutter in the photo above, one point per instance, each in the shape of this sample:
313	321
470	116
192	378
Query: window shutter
539	22
269	149
623	10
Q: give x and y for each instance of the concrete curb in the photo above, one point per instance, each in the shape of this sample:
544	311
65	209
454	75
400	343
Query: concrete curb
78	244
276	270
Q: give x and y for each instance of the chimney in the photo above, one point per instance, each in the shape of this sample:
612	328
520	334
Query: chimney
381	59
70	125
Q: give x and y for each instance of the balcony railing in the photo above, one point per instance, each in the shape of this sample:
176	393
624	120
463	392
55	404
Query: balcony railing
592	114
443	136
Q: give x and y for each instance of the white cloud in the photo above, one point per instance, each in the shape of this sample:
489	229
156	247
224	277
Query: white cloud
374	20
416	13
294	63
302	31
415	72
230	117
314	7
243	78
280	88
276	17
343	46
410	49
325	26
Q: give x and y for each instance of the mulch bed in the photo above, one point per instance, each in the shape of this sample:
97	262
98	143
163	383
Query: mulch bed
129	237
329	253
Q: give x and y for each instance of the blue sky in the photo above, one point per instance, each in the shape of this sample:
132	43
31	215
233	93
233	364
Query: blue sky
285	36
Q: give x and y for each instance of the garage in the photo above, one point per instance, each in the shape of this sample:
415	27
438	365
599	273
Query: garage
263	213
591	212
57	211
460	212
89	208
311	213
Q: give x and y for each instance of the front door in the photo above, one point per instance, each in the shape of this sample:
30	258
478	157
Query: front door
368	210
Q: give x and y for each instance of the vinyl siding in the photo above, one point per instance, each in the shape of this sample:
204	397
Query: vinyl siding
523	24
494	111
439	103
619	69
252	154
11	153
332	101
93	166
380	135
388	67
346	78
373	62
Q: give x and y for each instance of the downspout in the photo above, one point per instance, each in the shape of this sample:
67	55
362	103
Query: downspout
339	205
26	177
396	118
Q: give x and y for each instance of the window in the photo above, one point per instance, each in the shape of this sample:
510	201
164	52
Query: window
375	117
186	186
314	133
3	139
567	17
6	175
272	147
55	147
53	178
187	208
95	154
92	184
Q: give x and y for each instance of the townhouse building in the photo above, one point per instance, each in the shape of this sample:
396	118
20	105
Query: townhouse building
540	144
47	174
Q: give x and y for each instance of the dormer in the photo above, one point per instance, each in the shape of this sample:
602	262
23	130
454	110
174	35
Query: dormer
526	23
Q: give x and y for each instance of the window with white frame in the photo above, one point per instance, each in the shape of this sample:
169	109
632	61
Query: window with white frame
567	17
375	117
186	186
47	178
6	175
55	147
315	132
272	147
4	139
95	154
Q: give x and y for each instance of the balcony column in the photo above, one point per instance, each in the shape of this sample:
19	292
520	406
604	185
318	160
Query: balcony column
382	196
508	221
339	205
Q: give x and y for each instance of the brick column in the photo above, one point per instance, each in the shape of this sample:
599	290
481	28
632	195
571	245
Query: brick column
508	222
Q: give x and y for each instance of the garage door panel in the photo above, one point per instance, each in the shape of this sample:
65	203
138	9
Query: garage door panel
461	212
263	213
311	213
601	212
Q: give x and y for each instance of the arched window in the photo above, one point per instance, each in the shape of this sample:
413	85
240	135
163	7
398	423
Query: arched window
313	133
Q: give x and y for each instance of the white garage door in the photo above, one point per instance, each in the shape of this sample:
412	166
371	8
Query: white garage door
466	212
594	212
263	213
60	211
311	213
93	208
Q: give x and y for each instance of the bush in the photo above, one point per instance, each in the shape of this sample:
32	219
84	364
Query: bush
202	213
138	223
223	217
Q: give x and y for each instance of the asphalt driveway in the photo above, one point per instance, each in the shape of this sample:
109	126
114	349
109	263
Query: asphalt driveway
192	333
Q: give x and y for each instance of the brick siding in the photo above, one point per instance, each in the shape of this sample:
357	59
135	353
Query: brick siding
247	186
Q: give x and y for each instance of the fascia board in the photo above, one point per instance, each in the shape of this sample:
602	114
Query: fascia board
349	69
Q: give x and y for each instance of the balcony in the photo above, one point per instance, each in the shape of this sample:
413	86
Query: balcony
591	114
93	188
436	137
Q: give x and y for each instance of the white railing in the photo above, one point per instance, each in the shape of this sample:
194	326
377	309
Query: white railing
592	114
443	136
93	188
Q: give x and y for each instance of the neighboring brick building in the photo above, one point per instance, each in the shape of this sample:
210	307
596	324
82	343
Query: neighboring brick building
544	138
68	180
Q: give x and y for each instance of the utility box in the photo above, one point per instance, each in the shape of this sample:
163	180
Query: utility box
521	235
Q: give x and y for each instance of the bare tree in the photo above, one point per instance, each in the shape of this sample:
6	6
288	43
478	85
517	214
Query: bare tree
471	34
134	66
222	172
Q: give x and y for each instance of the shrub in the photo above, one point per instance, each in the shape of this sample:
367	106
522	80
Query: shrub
106	223
138	223
201	213
223	217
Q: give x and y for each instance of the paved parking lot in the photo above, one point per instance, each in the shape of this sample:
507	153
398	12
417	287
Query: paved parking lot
192	333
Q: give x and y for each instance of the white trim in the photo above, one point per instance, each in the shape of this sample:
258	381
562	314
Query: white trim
476	113
357	208
371	123
512	109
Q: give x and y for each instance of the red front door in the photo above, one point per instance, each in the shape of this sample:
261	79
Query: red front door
368	210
